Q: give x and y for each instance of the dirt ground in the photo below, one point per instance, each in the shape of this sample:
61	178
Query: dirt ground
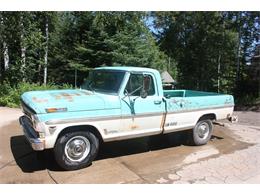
231	156
248	118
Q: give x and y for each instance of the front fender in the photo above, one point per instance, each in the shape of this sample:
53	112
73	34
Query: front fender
51	139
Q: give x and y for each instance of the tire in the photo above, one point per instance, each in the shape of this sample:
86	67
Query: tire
76	150
202	132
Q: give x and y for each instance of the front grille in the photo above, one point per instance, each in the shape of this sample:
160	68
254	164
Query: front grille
27	123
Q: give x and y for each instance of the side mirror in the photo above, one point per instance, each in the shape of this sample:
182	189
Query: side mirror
146	86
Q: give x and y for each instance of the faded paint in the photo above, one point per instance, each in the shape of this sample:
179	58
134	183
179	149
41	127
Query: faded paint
134	126
74	100
66	96
39	100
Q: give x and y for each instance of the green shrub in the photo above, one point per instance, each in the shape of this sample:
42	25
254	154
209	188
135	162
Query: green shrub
10	95
247	100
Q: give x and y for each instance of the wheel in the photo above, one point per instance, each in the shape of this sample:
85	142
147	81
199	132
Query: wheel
76	150
202	132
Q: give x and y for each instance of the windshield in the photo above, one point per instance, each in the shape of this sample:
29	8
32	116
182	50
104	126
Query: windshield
104	81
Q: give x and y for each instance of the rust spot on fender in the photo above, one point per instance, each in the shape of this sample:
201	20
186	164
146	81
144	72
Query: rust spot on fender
163	121
39	100
57	97
134	126
67	96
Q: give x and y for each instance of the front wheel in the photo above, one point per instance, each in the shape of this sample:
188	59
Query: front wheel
202	132
76	150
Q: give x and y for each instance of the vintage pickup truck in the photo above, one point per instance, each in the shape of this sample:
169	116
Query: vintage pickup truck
116	103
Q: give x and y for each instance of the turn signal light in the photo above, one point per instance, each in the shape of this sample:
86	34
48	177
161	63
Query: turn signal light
50	110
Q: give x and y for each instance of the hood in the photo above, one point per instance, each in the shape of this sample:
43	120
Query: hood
71	100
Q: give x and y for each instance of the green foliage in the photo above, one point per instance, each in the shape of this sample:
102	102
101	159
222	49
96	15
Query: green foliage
24	31
133	48
211	49
10	95
248	101
201	50
196	40
102	39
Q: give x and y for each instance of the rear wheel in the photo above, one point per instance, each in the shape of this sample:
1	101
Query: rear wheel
202	132
76	150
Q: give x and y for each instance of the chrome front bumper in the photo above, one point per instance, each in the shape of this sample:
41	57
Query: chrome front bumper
30	134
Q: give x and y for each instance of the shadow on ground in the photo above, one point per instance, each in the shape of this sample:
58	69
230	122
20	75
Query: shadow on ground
31	161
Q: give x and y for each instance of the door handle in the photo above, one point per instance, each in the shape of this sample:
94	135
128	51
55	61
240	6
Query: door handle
157	101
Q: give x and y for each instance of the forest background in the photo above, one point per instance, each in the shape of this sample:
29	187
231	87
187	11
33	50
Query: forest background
209	51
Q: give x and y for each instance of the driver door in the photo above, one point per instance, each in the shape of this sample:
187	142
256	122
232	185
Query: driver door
141	115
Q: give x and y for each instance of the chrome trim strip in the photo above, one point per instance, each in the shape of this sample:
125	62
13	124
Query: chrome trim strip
101	118
199	109
78	120
148	114
116	117
130	136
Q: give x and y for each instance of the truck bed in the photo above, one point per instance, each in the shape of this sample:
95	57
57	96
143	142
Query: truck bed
177	100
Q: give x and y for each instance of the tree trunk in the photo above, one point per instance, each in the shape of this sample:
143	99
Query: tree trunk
238	48
6	56
219	60
169	65
23	48
221	49
5	48
76	75
46	51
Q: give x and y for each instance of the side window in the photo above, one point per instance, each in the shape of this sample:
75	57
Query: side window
135	84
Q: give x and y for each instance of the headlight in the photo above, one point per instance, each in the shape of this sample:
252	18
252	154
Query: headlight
37	125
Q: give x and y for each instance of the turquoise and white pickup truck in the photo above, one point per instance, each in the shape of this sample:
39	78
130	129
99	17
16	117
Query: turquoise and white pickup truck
116	103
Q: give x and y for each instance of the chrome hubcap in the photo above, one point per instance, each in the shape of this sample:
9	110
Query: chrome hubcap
77	148
203	130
